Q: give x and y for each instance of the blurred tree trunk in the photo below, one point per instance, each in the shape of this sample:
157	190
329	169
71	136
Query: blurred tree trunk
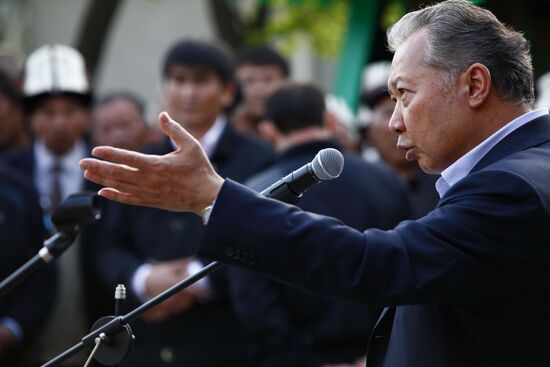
230	25
94	30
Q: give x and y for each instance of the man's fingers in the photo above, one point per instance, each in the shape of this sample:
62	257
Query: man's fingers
109	170
123	156
174	130
122	186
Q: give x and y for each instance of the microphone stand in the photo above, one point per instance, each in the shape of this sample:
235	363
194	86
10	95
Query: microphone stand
75	212
59	240
114	331
112	335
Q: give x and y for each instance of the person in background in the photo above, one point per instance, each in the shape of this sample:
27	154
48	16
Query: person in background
289	327
339	119
57	98
13	134
150	250
21	236
118	120
382	142
259	71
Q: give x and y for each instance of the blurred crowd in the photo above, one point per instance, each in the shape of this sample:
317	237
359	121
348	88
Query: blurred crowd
256	125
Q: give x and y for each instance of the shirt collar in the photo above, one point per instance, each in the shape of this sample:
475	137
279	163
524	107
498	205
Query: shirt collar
45	160
462	166
210	139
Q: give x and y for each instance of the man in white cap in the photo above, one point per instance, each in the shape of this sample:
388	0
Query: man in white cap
57	99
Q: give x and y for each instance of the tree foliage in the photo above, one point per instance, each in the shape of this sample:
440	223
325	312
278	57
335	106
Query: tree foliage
322	22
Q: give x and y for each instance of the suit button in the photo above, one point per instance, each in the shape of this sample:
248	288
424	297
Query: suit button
166	355
244	256
229	251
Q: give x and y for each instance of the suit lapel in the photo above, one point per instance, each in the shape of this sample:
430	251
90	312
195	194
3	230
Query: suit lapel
224	146
380	337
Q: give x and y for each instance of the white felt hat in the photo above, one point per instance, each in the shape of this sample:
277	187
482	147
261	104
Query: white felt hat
55	69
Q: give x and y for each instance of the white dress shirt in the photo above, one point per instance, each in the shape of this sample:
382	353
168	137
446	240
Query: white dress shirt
71	176
66	321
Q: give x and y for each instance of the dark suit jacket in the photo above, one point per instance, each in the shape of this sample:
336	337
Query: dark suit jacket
288	326
207	334
21	236
470	279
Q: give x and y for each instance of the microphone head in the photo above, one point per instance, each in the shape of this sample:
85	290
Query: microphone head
327	164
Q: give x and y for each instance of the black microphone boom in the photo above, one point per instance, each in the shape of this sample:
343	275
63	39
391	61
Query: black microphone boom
75	212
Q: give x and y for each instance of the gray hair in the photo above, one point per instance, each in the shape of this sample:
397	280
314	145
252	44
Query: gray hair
461	34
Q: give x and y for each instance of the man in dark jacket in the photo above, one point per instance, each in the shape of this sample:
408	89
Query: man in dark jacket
150	250
21	236
57	98
467	284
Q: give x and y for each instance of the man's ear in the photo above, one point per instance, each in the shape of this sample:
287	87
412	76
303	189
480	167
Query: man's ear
269	132
477	79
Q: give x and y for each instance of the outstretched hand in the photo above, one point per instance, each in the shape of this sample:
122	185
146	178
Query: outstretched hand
183	180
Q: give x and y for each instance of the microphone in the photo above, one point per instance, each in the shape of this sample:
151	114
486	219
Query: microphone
326	165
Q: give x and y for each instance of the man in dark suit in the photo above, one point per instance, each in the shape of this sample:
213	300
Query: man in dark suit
13	133
289	327
57	98
470	279
21	236
150	250
259	71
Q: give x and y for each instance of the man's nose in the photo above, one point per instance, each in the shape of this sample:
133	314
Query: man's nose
59	120
186	90
396	125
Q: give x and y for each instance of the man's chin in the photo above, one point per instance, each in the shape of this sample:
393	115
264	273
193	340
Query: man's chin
59	149
428	167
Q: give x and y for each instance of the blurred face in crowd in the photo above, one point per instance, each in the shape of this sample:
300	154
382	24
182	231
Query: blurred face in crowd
257	83
118	123
10	122
429	115
59	122
195	96
384	140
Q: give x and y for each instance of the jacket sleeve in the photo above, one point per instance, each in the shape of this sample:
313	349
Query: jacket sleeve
486	240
